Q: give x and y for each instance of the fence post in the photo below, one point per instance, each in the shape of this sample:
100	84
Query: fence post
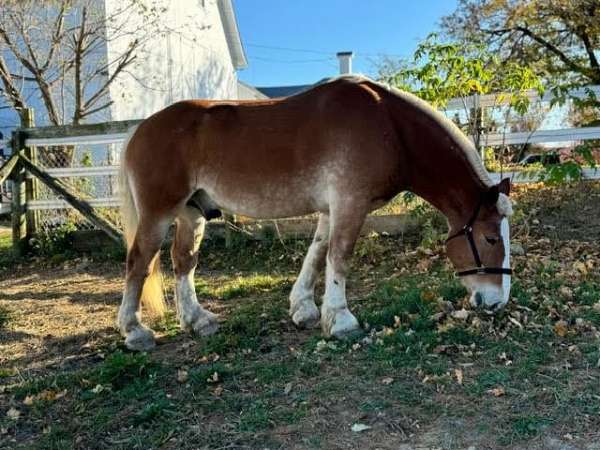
21	190
230	220
32	218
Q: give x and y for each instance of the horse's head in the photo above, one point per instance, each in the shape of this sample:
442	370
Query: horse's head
480	250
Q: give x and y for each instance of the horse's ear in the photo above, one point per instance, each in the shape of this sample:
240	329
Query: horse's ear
504	186
491	196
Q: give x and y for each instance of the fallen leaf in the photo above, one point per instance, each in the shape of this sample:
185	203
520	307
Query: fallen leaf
13	414
461	314
580	267
387	380
458	373
29	400
561	327
496	392
214	378
182	375
359	427
288	388
566	291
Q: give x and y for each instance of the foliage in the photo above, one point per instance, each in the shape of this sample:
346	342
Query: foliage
558	38
441	71
54	241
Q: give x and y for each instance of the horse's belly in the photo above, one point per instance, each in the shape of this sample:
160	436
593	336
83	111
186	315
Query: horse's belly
270	203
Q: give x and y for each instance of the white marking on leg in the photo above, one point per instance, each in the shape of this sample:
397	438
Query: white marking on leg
137	336
505	231
336	319
192	316
303	309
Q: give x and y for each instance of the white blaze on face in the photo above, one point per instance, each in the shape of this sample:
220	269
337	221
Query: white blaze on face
505	231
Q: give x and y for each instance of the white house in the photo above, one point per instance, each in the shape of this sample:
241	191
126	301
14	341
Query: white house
197	58
195	53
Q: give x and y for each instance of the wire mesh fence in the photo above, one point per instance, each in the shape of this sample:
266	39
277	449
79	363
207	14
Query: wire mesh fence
89	171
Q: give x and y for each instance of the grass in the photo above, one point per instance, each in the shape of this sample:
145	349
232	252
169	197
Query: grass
417	374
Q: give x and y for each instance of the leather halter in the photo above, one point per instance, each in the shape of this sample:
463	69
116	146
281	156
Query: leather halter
480	269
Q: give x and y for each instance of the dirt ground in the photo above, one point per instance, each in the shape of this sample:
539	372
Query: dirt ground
427	374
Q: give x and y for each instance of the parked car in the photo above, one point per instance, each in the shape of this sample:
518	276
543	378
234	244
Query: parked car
544	158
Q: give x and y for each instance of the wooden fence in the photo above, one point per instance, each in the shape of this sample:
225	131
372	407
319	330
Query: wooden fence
41	184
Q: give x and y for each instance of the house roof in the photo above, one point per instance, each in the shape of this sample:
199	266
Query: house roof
283	91
232	34
250	91
286	91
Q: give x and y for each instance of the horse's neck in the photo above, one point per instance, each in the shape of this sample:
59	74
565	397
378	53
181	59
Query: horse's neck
456	199
446	178
435	165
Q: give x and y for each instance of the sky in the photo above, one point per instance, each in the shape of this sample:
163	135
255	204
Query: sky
291	42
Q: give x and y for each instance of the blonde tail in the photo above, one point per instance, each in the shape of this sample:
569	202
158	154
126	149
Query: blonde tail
152	294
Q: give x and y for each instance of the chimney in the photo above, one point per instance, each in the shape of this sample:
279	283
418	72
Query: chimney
345	59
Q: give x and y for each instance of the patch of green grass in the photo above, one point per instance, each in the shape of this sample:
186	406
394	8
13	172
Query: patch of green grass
489	379
243	286
247	326
122	370
6	316
587	293
268	373
168	324
152	411
397	298
7	256
527	426
255	417
55	382
452	290
211	374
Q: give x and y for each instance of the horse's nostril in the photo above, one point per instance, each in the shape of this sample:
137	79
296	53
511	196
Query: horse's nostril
478	299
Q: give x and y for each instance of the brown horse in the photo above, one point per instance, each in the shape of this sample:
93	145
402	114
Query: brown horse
343	149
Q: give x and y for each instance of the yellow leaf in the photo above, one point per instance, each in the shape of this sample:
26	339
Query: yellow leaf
561	328
496	392
458	373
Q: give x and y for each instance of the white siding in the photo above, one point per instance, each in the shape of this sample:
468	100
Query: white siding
190	61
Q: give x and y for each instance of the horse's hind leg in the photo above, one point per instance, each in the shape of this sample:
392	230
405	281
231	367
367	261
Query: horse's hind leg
184	252
346	221
140	261
303	310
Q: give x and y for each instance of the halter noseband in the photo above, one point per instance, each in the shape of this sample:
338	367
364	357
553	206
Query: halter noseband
467	231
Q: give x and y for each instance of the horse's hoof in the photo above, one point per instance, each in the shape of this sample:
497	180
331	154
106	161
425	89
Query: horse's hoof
340	324
140	339
206	324
306	316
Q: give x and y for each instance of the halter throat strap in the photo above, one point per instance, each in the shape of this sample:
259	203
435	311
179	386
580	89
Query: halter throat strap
480	269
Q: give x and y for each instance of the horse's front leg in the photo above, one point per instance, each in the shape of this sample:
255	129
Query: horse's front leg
346	222
303	309
184	253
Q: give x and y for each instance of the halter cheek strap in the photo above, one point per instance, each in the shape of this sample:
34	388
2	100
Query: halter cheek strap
479	269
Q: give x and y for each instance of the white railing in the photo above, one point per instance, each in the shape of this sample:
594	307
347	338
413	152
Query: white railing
95	139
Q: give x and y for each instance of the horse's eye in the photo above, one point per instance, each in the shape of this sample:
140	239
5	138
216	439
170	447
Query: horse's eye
491	240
